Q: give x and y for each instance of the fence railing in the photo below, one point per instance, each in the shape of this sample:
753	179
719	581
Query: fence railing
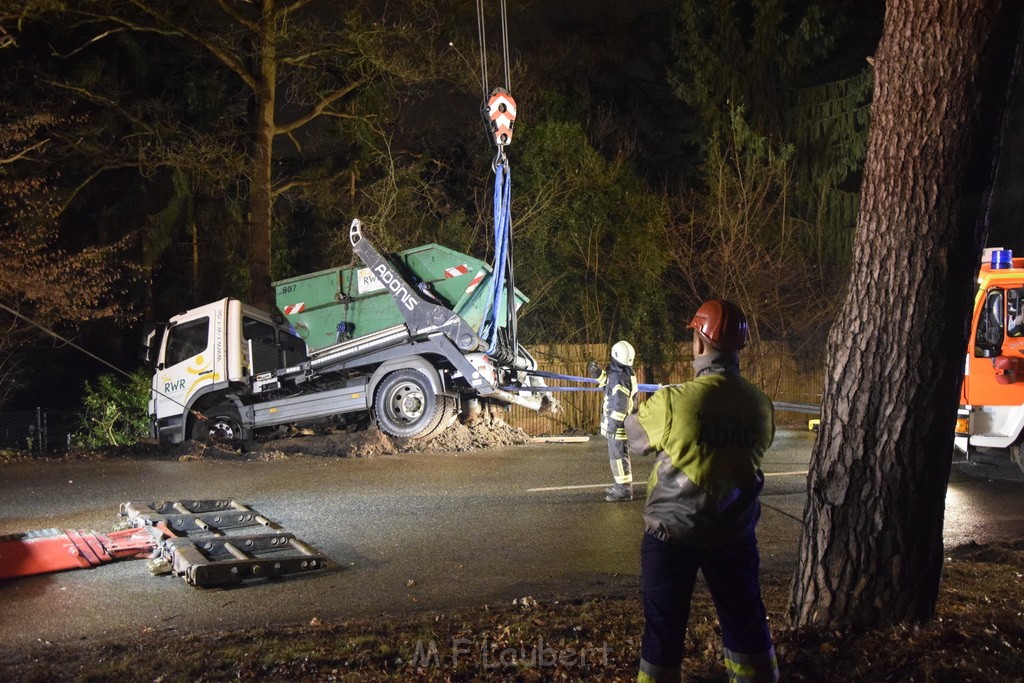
770	366
37	431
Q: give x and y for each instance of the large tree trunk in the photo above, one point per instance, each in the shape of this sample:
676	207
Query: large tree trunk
871	550
261	214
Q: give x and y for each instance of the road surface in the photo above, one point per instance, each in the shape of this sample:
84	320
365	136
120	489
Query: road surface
417	532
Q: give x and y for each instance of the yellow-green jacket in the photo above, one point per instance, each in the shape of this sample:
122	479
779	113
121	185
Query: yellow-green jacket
710	436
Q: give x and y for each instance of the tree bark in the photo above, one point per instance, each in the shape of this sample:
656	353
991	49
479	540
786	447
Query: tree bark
871	550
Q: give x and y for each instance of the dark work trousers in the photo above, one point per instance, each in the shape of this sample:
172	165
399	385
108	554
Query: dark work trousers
669	572
618	459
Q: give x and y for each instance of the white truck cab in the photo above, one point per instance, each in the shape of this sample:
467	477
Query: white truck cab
208	349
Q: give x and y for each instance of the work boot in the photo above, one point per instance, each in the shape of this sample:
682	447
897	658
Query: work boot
619	493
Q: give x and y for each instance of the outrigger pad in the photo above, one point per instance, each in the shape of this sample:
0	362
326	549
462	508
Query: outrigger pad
222	542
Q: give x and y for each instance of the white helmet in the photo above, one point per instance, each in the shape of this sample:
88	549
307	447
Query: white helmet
623	352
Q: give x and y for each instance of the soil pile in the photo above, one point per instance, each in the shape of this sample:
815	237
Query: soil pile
362	443
370	442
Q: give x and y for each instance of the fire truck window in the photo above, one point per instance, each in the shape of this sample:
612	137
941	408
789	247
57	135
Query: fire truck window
1015	312
989	340
186	340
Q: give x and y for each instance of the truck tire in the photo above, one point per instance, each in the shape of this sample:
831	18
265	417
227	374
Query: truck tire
221	423
447	413
406	406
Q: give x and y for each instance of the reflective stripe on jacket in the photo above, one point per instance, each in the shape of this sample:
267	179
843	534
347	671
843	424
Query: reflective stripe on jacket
620	387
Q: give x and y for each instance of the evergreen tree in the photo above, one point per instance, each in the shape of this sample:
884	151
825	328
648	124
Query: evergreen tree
777	60
589	246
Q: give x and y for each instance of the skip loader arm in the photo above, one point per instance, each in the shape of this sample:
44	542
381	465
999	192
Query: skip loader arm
421	316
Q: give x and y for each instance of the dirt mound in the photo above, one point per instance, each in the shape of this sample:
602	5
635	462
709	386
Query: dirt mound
370	443
462	438
364	443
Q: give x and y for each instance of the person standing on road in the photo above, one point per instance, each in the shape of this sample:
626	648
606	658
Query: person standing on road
710	435
619	383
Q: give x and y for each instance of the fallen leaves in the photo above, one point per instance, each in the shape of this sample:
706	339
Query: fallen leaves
977	635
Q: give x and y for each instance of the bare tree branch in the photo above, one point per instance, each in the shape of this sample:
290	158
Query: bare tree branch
166	26
91	41
238	18
292	8
314	182
85	183
104	101
320	108
22	154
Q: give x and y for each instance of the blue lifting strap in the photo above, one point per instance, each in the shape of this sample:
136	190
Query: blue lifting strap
502	237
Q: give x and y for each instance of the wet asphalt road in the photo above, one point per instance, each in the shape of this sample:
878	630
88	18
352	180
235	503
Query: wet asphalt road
467	529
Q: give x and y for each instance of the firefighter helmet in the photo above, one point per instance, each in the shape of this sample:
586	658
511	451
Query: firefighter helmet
623	352
722	323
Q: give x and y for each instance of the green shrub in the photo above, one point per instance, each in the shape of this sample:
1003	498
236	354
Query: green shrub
116	411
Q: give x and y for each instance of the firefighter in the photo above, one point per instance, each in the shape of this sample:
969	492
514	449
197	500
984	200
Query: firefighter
710	436
619	383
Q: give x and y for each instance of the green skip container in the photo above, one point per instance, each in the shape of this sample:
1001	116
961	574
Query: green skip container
333	305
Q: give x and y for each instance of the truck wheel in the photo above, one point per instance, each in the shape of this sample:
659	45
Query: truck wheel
447	413
221	424
406	406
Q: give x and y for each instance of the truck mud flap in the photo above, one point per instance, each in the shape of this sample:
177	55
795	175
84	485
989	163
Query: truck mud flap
223	542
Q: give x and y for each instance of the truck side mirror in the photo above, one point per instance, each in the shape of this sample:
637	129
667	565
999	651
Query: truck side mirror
149	350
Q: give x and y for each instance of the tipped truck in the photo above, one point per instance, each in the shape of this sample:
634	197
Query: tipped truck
386	341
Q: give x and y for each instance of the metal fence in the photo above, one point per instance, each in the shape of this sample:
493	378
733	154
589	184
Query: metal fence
37	431
772	367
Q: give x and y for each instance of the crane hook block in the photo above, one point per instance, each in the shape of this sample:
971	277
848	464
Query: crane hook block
501	112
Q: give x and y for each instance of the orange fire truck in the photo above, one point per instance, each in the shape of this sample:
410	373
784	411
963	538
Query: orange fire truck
990	422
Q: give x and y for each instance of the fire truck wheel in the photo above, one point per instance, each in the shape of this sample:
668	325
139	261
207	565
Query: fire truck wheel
405	405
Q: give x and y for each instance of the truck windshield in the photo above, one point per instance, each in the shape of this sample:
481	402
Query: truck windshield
186	340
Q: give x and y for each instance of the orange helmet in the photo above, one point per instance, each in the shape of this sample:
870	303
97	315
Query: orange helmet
722	323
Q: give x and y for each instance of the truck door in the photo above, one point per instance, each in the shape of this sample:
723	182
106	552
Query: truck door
187	363
999	331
